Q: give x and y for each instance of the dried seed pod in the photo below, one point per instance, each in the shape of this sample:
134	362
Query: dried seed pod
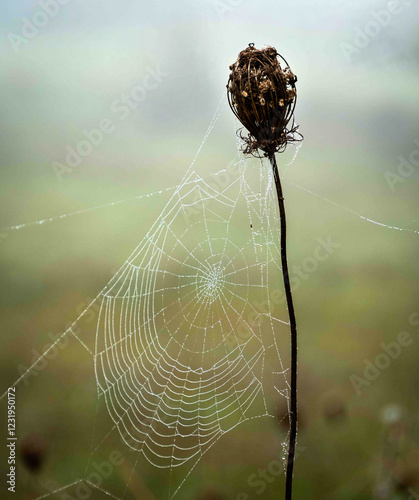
262	95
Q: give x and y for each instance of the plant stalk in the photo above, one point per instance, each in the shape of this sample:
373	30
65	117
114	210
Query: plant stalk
293	328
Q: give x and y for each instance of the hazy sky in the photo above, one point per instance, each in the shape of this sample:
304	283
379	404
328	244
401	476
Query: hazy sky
65	66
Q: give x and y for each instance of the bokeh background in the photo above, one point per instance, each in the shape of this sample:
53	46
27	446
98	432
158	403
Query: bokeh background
357	64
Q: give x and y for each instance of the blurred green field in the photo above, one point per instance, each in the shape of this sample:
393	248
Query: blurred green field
357	118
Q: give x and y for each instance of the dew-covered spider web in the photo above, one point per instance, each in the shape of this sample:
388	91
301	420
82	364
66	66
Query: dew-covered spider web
180	350
188	344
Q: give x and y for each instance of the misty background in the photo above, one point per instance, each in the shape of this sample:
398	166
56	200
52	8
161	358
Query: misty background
358	111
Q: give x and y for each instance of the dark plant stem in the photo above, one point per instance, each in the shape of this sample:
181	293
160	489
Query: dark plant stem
293	327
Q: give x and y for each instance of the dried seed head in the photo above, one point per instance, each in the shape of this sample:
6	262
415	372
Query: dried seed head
262	95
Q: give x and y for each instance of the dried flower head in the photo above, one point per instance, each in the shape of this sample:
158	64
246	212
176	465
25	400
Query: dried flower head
262	95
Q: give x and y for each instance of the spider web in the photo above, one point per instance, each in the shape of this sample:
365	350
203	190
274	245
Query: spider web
183	351
180	355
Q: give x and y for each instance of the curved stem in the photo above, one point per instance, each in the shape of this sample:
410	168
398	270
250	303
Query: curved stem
293	327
